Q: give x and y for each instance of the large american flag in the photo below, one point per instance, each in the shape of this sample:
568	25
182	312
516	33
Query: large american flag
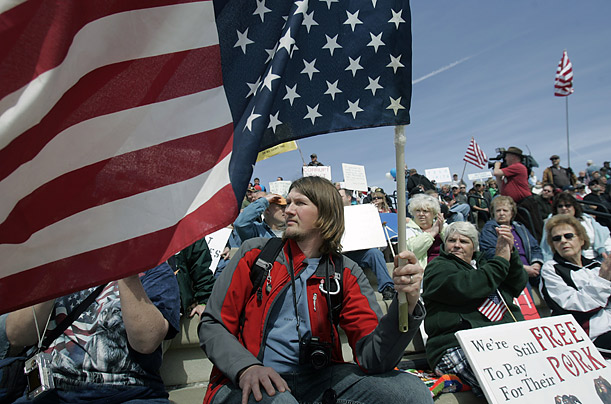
129	128
475	155
563	84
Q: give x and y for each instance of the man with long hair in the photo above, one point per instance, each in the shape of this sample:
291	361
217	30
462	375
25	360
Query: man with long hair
277	341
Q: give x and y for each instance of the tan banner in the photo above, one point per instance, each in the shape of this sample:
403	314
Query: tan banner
272	151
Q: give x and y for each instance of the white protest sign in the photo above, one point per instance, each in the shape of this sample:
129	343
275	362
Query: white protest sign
438	175
354	177
479	176
535	361
320	171
363	228
280	187
216	243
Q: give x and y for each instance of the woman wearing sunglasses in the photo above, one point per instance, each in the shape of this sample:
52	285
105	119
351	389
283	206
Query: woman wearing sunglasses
597	235
573	284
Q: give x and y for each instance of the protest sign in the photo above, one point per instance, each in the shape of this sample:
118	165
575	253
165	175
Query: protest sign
280	187
363	228
216	244
354	177
479	176
536	361
439	175
320	171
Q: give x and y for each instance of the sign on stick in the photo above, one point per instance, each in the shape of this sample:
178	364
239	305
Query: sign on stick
354	177
216	243
320	171
363	228
479	176
550	360
280	187
439	175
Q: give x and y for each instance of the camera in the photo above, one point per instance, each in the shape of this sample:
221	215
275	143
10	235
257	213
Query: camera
39	375
313	351
500	156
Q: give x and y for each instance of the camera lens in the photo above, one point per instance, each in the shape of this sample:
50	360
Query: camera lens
319	359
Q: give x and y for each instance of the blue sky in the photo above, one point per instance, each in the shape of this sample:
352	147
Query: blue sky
486	69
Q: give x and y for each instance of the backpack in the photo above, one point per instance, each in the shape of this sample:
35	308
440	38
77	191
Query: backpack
264	263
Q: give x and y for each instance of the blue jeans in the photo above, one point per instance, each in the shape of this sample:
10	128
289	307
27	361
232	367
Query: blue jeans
106	394
349	382
374	259
461	211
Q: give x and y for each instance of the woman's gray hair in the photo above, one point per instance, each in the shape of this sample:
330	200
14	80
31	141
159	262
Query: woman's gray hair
424	202
466	229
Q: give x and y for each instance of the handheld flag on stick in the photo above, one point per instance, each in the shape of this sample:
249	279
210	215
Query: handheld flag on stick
475	155
129	130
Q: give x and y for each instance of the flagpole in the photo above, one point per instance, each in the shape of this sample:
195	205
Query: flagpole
463	171
401	216
568	149
300	153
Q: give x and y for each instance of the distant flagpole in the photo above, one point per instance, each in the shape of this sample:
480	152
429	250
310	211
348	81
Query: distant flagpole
568	147
563	87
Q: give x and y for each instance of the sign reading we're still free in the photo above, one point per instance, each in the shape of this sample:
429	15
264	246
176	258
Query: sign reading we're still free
537	361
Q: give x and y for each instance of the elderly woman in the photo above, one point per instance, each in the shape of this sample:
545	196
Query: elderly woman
598	235
423	232
463	290
504	209
574	284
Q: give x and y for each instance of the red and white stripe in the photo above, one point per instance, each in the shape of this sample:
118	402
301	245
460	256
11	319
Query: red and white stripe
563	85
115	140
492	310
475	155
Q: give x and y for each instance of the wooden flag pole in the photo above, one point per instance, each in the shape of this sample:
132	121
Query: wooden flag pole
300	153
400	166
463	171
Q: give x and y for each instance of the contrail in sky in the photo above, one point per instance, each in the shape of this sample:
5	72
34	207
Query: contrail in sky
443	69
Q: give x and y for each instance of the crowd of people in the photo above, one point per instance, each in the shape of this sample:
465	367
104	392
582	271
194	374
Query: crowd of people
269	316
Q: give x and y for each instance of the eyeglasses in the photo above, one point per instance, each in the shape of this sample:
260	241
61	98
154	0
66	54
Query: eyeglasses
567	236
377	197
560	206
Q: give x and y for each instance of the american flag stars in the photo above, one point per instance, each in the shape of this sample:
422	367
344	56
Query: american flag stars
330	66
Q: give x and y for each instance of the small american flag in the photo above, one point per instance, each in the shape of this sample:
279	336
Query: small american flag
493	308
563	85
475	155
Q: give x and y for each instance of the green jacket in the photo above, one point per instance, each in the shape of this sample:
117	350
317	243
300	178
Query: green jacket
195	279
453	291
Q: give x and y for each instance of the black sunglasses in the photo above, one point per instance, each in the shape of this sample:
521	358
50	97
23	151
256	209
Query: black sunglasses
560	206
567	236
377	197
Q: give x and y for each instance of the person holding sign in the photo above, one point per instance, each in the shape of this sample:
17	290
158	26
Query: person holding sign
573	284
463	290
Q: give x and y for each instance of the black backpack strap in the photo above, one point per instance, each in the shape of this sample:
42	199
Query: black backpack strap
259	271
69	319
263	264
337	299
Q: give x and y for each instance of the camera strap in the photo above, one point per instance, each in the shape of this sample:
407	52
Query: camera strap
69	319
291	271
